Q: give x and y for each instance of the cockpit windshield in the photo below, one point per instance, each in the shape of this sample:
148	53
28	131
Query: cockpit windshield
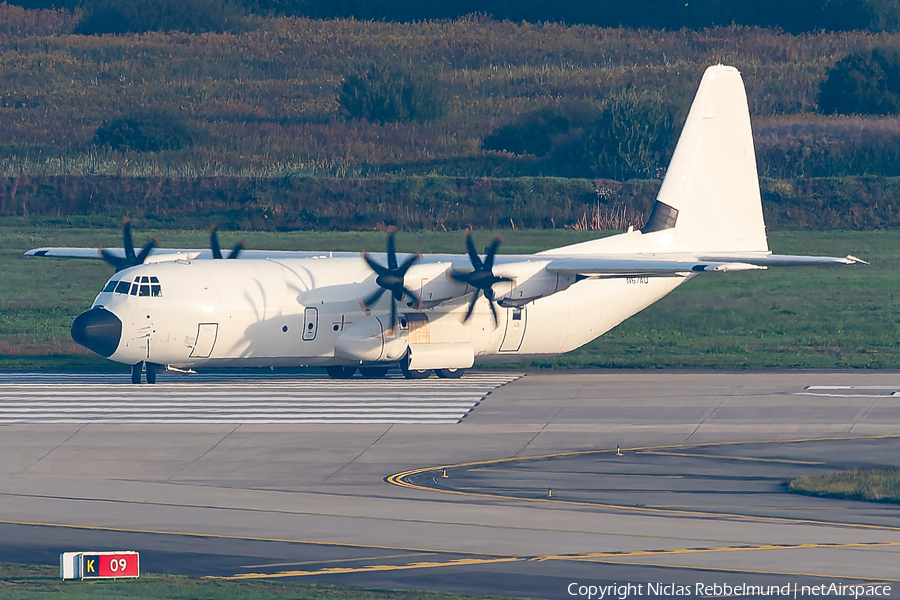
142	285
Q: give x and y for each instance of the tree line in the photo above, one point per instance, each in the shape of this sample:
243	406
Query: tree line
796	16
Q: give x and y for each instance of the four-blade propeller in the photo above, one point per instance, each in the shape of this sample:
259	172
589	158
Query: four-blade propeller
131	259
217	250
482	276
390	278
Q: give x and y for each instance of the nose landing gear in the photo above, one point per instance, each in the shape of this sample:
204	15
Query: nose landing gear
151	369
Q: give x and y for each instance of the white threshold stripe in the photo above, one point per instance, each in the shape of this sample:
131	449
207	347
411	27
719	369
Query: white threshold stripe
852	387
844	395
218	400
231	391
163	380
335	421
239	417
238	394
186	411
33	406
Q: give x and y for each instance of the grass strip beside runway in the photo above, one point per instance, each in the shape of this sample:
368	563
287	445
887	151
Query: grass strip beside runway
875	485
26	582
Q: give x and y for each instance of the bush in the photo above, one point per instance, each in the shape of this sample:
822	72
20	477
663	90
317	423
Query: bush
634	135
150	131
556	132
386	95
140	16
864	83
628	135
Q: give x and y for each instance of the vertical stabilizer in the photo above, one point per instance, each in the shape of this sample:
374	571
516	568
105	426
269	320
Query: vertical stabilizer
709	200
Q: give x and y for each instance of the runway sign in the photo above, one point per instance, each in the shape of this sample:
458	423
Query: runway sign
99	565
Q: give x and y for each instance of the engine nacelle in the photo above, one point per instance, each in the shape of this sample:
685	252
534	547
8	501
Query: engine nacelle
431	283
531	281
368	342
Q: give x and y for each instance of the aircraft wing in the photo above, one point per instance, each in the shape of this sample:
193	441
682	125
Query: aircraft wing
168	254
662	265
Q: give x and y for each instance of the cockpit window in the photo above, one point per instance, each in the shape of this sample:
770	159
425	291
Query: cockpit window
110	286
141	286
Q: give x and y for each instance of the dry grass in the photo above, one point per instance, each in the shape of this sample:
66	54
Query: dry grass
874	485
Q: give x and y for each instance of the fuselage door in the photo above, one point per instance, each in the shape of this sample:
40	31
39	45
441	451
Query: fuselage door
310	324
515	329
206	339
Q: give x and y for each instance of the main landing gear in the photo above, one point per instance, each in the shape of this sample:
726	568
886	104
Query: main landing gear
378	372
339	372
149	367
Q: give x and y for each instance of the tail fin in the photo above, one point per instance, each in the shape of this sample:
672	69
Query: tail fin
709	200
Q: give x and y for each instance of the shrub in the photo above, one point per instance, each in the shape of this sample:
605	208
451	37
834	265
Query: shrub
555	132
628	135
634	135
140	16
387	94
149	131
863	83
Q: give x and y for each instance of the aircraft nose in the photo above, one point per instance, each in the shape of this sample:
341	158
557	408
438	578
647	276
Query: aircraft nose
98	330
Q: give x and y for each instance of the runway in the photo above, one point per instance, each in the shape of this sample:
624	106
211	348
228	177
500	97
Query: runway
697	497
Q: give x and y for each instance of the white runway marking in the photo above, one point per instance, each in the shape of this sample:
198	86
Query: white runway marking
240	398
850	387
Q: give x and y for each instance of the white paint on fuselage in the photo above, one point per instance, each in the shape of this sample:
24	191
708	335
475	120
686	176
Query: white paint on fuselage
260	310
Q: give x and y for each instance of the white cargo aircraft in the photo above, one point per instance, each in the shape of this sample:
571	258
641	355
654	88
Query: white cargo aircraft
437	312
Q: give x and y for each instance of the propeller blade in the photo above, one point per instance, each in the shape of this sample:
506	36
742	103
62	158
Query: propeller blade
461	276
471	306
393	313
145	252
116	262
491	251
127	242
408	263
373	298
494	313
473	254
391	251
413	297
214	243
379	270
236	250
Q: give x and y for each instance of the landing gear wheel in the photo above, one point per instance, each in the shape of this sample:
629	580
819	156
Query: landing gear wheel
136	372
151	372
373	372
449	373
415	373
339	372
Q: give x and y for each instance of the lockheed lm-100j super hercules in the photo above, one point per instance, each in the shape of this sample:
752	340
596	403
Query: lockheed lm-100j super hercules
442	313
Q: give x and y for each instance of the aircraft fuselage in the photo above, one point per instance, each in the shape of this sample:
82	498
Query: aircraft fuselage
297	312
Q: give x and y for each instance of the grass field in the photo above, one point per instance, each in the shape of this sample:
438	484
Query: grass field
30	582
872	485
783	318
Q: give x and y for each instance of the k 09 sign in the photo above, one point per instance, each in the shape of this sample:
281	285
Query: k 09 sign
105	566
